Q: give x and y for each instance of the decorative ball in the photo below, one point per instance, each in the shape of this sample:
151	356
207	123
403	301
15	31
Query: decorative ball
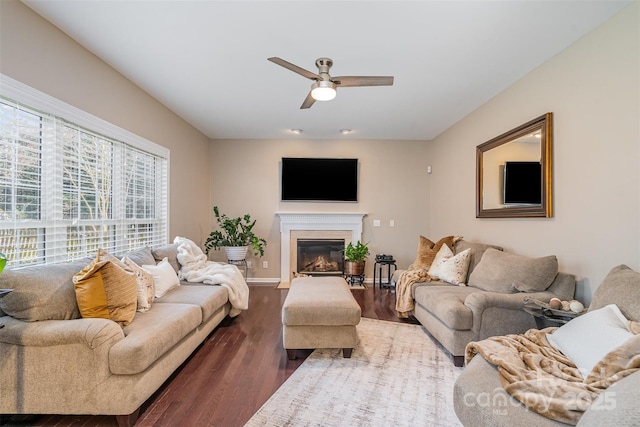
555	303
576	306
566	306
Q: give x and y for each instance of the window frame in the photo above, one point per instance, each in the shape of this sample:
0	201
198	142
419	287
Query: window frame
46	105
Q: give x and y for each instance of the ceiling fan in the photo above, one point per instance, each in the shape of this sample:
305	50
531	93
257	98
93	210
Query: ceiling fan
324	86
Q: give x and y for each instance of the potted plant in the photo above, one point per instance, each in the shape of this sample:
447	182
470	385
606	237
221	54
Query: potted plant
235	235
354	258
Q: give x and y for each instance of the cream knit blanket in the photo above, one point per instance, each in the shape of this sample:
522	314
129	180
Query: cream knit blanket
195	267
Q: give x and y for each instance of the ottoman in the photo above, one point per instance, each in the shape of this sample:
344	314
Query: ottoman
319	312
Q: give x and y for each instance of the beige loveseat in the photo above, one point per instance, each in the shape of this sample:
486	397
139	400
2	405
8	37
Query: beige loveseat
52	361
491	304
481	400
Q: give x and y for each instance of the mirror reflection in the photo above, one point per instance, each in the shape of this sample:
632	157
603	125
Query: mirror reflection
514	172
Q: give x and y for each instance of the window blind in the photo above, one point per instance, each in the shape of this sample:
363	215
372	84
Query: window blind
66	191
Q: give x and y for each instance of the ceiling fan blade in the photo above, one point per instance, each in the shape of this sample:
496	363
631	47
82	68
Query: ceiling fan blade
347	81
294	68
308	101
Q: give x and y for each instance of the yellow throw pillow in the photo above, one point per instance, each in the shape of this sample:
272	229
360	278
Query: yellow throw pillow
427	251
106	288
424	247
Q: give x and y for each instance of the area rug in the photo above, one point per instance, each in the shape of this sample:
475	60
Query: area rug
396	376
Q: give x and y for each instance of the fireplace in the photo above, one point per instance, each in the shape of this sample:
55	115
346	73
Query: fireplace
345	227
320	257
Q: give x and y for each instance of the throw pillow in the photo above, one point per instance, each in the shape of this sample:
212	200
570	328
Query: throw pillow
164	277
620	286
41	292
144	282
586	339
503	272
141	256
170	252
427	251
106	288
450	268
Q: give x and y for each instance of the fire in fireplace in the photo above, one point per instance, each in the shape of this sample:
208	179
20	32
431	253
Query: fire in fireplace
320	256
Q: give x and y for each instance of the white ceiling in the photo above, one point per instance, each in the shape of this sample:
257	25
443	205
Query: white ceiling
207	60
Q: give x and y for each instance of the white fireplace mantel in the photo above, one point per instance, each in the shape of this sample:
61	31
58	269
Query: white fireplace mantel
349	221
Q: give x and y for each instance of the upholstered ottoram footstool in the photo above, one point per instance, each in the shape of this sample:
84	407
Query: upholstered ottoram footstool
319	312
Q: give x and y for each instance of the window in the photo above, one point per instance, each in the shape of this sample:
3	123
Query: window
66	190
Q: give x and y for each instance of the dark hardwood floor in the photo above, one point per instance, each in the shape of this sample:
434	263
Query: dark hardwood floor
235	370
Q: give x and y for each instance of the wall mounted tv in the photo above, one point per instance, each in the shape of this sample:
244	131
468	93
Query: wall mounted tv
522	183
319	179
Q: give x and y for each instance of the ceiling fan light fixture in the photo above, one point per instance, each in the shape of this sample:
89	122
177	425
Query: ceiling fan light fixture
323	90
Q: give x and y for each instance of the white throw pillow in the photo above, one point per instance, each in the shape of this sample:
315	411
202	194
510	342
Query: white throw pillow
164	277
449	268
585	340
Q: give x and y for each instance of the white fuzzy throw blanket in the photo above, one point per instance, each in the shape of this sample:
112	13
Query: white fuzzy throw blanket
195	267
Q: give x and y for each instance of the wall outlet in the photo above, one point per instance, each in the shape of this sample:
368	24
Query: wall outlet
249	264
265	264
376	223
392	223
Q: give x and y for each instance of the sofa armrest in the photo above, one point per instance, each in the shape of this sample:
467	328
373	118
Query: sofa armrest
91	332
478	301
501	314
616	406
55	366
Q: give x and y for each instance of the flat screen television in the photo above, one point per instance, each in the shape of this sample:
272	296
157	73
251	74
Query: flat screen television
522	183
319	179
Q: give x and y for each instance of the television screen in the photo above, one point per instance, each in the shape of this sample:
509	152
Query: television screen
319	179
522	183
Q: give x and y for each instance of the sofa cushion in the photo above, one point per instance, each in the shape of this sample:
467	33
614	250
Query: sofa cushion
151	335
503	272
170	252
144	283
620	287
477	249
106	288
141	256
446	302
427	251
208	297
450	268
41	292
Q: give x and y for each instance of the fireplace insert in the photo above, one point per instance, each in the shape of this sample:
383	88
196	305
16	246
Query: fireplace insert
318	257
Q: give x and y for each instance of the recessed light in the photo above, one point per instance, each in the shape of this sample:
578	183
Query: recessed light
296	131
345	131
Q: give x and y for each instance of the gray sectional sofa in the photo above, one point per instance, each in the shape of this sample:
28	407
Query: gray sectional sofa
54	361
490	305
480	399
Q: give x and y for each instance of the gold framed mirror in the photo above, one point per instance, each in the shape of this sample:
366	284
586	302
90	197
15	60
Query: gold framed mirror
514	172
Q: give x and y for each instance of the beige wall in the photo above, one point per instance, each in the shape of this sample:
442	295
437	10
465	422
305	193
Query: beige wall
36	53
593	89
394	185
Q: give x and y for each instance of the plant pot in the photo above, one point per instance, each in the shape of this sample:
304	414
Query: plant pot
236	253
354	268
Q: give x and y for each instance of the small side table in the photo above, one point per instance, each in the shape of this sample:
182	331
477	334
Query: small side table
545	318
378	267
241	264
